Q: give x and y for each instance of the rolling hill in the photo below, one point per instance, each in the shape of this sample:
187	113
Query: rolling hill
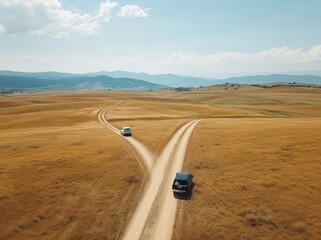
77	83
171	80
130	80
260	79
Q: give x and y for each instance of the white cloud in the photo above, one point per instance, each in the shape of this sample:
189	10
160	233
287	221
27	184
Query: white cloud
274	60
314	54
104	11
32	59
27	58
221	64
132	11
74	9
62	35
2	28
50	18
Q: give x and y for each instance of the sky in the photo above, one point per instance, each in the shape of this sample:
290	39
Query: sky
205	38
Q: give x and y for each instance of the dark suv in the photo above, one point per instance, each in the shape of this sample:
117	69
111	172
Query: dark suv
183	183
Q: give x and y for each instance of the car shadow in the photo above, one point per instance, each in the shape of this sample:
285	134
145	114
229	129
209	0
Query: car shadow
184	196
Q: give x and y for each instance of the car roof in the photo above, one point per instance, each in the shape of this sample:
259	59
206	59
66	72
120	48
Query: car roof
182	175
126	127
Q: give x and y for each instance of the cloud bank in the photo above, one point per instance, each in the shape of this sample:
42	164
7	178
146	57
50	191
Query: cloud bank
50	18
223	64
274	60
218	65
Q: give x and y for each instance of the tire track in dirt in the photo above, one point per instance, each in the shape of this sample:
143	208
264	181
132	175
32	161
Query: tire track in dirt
156	185
81	214
165	220
139	219
144	155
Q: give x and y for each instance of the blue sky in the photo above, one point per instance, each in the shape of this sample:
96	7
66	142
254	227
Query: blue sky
210	38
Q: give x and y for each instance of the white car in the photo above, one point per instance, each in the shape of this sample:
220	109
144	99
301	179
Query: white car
126	131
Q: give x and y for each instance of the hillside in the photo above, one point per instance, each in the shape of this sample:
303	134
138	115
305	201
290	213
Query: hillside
76	83
128	80
260	79
255	158
43	75
171	80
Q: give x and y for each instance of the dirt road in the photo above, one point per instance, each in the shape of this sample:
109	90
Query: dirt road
144	154
173	155
160	224
165	220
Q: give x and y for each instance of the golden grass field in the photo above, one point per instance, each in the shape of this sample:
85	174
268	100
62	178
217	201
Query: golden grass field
255	159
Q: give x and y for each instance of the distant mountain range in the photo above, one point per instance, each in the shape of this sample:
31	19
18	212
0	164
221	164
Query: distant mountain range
123	80
261	79
77	83
160	79
171	80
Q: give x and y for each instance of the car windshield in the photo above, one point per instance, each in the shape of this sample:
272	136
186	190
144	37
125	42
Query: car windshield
180	182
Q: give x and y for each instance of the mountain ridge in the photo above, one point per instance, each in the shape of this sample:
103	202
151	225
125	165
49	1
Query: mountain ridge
99	82
159	80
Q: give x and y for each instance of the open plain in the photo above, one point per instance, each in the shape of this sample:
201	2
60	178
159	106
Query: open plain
255	157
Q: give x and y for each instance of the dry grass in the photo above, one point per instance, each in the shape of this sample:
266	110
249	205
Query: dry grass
63	176
255	160
255	178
